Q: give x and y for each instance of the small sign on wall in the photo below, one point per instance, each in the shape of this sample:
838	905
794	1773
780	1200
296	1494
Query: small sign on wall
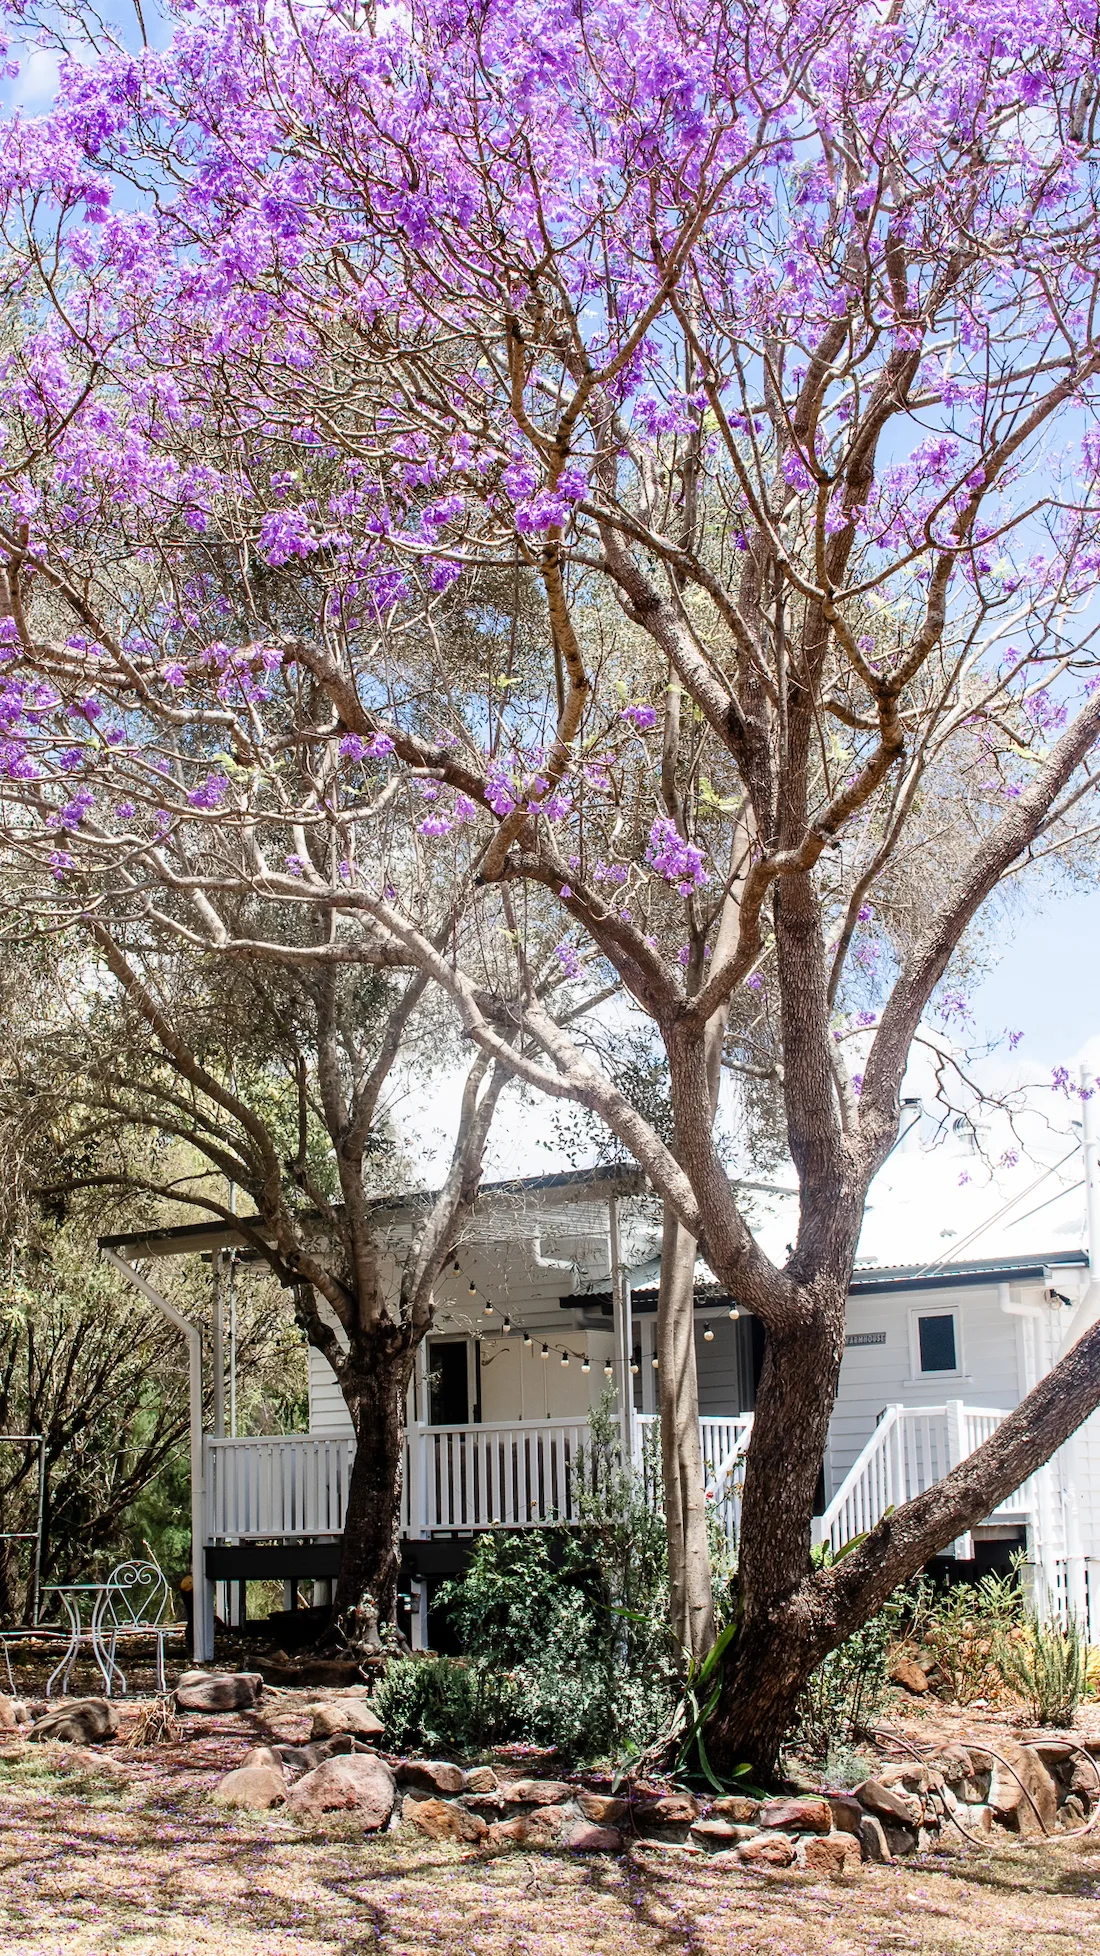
865	1338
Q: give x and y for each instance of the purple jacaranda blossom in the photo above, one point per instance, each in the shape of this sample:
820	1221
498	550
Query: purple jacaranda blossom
295	864
73	757
210	793
568	959
126	811
642	717
677	861
465	810
437	824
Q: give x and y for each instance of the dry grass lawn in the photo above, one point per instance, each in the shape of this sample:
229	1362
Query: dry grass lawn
146	1866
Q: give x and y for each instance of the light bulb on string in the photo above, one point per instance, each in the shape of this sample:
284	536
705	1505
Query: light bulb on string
585	1365
565	1358
709	1334
634	1367
458	1268
735	1313
609	1370
473	1288
655	1362
506	1326
545	1352
527	1338
486	1309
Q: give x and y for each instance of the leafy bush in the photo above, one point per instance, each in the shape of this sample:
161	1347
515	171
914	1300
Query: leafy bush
1046	1666
575	1619
443	1704
964	1627
849	1685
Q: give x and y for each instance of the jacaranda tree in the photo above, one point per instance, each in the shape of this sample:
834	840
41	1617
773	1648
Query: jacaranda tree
570	497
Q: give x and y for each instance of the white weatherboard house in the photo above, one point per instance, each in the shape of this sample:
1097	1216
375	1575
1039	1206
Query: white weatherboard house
552	1297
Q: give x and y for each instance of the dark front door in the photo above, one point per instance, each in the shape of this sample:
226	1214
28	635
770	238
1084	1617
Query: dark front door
449	1388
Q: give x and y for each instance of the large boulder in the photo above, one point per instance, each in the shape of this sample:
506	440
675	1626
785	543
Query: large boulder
800	1816
215	1691
350	1715
432	1776
257	1788
263	1755
584	1837
767	1851
892	1804
84	1721
1013	1782
833	1854
537	1792
359	1787
443	1822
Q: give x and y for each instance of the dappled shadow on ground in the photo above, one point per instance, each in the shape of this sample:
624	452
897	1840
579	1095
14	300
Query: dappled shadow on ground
140	1863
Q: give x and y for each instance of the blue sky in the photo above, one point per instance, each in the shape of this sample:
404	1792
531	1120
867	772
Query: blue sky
1047	983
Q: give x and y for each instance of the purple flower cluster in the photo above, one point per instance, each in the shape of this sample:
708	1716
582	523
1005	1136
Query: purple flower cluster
679	862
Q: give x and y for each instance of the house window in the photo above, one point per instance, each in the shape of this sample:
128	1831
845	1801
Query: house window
937	1343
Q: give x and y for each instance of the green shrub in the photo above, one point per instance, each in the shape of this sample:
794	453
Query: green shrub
576	1618
1046	1666
964	1626
444	1704
849	1685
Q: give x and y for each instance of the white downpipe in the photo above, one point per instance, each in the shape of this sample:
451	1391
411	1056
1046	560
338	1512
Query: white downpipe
202	1592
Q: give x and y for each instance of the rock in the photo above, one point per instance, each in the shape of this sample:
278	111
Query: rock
79	1760
831	1854
847	1813
801	1816
911	1776
214	1691
13	1713
1007	1796
545	1824
719	1833
491	1803
359	1785
254	1787
83	1722
298	1759
443	1822
1083	1778
431	1775
262	1755
735	1806
508	1833
602	1808
890	1803
670	1810
482	1779
350	1715
909	1675
537	1792
538	1829
900	1839
585	1838
978	1820
767	1851
872	1839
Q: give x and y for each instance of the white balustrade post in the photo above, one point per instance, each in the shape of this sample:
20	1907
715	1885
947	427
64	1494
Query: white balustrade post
963	1547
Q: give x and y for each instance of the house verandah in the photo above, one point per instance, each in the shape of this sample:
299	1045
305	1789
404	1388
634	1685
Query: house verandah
551	1300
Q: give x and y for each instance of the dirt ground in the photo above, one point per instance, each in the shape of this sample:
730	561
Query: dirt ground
137	1861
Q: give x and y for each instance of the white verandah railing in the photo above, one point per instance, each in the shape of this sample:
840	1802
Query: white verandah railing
511	1475
911	1448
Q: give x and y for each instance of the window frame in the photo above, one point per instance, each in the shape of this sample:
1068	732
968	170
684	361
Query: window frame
952	1311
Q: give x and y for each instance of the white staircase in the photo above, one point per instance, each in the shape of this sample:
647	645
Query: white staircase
911	1448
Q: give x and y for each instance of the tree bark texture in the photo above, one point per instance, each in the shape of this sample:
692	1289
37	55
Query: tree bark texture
370	1551
792	1617
690	1595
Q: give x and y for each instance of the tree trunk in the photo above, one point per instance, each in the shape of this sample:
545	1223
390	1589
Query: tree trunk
370	1552
690	1596
792	1617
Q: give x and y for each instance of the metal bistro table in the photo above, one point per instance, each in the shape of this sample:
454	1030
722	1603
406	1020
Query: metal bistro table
75	1597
